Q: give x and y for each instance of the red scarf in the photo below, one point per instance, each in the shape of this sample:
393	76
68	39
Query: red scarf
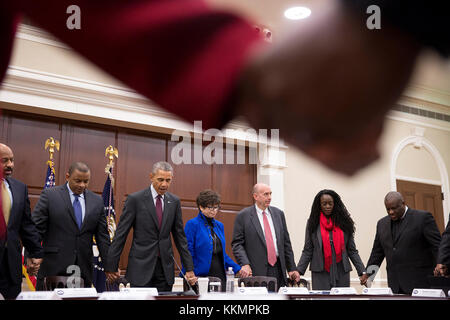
338	240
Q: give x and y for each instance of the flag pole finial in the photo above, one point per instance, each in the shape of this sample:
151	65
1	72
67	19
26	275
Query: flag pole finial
50	144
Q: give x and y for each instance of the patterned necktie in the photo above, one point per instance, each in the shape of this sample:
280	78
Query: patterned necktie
271	254
6	202
77	210
159	210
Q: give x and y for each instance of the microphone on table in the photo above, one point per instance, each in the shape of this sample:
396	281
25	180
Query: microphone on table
191	291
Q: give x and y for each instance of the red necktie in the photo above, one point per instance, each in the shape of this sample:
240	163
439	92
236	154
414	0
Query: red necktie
159	210
271	254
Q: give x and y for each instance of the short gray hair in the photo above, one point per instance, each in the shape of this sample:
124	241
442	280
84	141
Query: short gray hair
162	165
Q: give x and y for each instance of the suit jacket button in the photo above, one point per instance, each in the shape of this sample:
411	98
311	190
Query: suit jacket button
394	248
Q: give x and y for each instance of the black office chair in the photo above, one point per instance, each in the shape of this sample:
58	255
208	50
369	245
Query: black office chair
53	282
302	283
259	281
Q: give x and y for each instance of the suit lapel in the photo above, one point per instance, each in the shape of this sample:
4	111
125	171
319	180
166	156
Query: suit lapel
276	224
257	224
64	192
87	207
167	209
402	226
150	205
319	237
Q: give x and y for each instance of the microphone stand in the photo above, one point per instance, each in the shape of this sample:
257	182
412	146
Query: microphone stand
191	291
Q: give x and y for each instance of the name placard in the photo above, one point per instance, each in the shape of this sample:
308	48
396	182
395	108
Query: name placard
66	293
378	291
343	290
147	290
293	290
251	290
429	293
38	295
122	295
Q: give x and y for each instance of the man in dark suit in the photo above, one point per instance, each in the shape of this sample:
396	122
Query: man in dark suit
443	266
261	243
409	240
17	227
154	214
67	217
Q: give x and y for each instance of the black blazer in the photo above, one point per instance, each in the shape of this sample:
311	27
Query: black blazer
249	244
20	229
412	256
444	248
139	212
312	254
64	243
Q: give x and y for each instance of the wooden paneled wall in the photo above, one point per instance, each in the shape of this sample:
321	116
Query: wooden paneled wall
138	150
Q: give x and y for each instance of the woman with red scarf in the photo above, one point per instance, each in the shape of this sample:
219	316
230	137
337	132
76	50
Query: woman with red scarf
329	243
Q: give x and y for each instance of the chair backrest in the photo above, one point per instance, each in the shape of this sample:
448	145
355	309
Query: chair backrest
53	282
115	286
259	281
301	283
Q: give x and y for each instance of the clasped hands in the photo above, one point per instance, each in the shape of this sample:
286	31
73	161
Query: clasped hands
33	265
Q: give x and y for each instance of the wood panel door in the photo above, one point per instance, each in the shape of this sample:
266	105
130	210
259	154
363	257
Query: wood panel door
83	141
423	196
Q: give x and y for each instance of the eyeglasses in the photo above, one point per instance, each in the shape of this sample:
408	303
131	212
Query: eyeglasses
214	208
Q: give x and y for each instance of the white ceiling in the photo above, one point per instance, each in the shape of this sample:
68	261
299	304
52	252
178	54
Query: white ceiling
432	72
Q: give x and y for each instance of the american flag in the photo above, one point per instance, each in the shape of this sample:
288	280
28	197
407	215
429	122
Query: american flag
99	277
50	178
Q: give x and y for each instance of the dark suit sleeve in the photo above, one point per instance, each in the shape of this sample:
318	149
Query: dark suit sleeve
123	228
444	248
40	214
377	255
28	231
102	235
238	241
432	234
180	239
354	256
289	254
307	253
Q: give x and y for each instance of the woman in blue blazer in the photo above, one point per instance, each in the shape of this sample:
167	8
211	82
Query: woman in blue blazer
206	239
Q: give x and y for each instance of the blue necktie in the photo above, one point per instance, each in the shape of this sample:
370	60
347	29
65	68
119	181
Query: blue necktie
77	210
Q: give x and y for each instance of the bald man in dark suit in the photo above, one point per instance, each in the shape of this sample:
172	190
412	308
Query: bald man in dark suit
409	240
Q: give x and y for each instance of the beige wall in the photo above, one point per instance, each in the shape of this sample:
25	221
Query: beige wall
362	194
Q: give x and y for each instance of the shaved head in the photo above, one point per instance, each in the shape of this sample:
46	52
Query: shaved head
262	194
395	205
393	195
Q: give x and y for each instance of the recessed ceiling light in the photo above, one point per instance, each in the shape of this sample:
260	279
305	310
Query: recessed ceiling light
297	13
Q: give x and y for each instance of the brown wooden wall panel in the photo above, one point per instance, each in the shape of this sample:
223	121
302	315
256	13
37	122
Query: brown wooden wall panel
87	144
138	151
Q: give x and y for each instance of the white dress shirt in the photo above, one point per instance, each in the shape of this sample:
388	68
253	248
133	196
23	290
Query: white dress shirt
259	213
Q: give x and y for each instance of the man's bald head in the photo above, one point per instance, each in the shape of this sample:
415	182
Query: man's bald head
395	205
7	160
262	194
